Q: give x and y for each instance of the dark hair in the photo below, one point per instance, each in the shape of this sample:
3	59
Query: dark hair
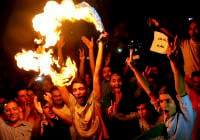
79	80
43	102
195	73
142	99
53	88
170	89
8	101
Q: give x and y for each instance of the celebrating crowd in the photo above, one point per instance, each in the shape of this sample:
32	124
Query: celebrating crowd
114	96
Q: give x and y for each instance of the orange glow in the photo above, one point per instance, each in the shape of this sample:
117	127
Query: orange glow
48	25
48	22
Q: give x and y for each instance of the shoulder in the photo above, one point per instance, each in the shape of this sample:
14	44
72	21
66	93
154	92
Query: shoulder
26	124
183	42
1	120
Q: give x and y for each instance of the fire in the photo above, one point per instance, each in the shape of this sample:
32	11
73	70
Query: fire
48	25
42	61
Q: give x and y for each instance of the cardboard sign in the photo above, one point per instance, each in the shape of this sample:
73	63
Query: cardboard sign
160	43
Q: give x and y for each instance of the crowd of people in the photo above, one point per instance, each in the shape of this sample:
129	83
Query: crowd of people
114	95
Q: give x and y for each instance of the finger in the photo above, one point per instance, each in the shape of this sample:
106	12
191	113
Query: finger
111	103
175	39
131	53
35	100
146	69
150	69
83	38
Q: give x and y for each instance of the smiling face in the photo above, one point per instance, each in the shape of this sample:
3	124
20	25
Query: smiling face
116	82
11	112
167	105
80	92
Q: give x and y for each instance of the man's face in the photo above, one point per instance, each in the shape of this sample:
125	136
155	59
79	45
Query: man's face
88	79
142	110
194	31
30	94
47	85
23	96
48	112
11	111
167	105
106	73
57	98
80	92
116	81
196	81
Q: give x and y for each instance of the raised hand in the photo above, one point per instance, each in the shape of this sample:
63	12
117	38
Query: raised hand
172	50
147	71
81	54
37	105
103	38
87	42
129	60
48	98
27	110
153	21
107	59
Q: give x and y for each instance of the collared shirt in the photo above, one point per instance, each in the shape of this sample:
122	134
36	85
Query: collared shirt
180	126
20	132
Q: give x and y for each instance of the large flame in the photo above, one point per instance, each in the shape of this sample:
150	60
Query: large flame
47	24
42	62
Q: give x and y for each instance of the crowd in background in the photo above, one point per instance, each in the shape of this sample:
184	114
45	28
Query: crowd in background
122	90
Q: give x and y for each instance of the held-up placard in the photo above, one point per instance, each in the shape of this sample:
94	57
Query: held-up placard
160	43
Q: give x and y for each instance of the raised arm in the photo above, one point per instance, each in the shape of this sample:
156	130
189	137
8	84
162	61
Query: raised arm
140	78
37	124
177	71
90	45
67	119
162	29
82	63
96	76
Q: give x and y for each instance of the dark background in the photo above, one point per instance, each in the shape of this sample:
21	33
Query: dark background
16	31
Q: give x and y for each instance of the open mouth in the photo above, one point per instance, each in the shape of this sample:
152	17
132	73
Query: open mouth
80	99
117	87
166	112
51	115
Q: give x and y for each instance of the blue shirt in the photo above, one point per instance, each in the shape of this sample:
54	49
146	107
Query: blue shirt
180	126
